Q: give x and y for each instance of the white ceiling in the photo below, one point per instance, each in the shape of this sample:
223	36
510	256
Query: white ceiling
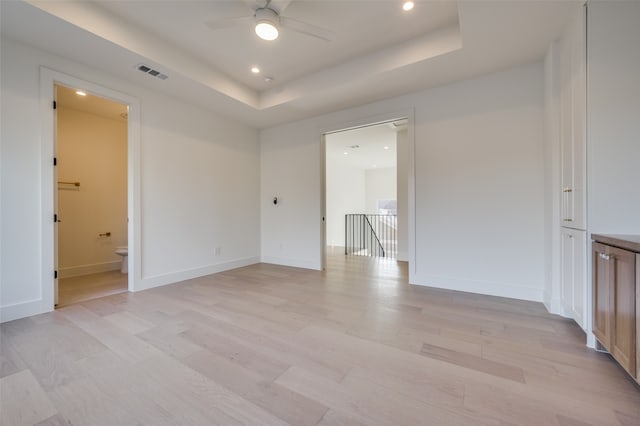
378	50
364	147
66	97
287	58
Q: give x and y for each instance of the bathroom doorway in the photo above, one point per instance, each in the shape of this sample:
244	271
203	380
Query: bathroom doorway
91	193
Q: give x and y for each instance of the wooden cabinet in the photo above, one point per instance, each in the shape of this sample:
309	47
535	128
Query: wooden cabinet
623	336
615	298
602	289
638	317
573	250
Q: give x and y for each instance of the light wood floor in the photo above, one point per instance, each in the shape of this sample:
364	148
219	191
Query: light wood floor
262	345
87	287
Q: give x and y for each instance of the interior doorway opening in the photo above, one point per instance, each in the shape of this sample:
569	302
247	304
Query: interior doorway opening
90	196
366	193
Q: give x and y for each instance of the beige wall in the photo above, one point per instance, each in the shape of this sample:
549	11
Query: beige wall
91	150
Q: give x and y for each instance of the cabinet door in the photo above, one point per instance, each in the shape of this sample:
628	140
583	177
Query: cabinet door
579	113
638	318
602	295
566	130
623	344
574	285
573	124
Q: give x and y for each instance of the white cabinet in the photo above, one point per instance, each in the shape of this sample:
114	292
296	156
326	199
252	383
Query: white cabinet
573	109
572	185
573	250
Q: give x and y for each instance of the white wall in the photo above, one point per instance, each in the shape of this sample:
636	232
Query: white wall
479	185
91	150
354	190
402	180
380	184
479	173
290	169
199	183
613	117
345	195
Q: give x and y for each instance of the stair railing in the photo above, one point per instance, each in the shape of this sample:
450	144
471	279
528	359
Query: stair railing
370	235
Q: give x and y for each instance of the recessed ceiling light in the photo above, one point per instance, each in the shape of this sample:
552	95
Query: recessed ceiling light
80	93
255	70
345	153
386	147
407	6
268	79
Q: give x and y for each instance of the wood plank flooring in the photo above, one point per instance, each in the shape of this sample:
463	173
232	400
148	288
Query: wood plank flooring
87	287
271	345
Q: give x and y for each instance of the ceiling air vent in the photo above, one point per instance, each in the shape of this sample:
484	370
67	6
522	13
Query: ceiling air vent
148	70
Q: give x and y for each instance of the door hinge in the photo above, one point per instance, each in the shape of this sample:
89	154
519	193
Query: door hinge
55	161
55	105
55	218
55	275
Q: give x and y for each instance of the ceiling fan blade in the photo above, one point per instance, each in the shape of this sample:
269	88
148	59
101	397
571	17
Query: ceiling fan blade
308	29
229	22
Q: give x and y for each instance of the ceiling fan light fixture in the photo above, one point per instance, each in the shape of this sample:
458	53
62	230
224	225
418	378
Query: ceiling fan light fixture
267	24
266	31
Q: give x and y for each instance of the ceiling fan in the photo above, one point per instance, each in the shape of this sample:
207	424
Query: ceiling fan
267	20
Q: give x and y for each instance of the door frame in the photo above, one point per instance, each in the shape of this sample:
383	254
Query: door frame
48	79
408	114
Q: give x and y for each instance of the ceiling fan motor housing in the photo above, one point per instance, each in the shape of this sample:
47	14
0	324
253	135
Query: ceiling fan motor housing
267	15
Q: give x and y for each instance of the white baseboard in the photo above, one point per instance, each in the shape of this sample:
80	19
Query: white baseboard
22	309
93	268
174	277
294	263
554	306
488	288
35	307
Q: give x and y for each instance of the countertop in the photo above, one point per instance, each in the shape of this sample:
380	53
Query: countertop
627	242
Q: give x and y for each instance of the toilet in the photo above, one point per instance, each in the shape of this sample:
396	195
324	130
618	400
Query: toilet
124	252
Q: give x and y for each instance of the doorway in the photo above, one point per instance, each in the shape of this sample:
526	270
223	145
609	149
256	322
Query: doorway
91	196
366	196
